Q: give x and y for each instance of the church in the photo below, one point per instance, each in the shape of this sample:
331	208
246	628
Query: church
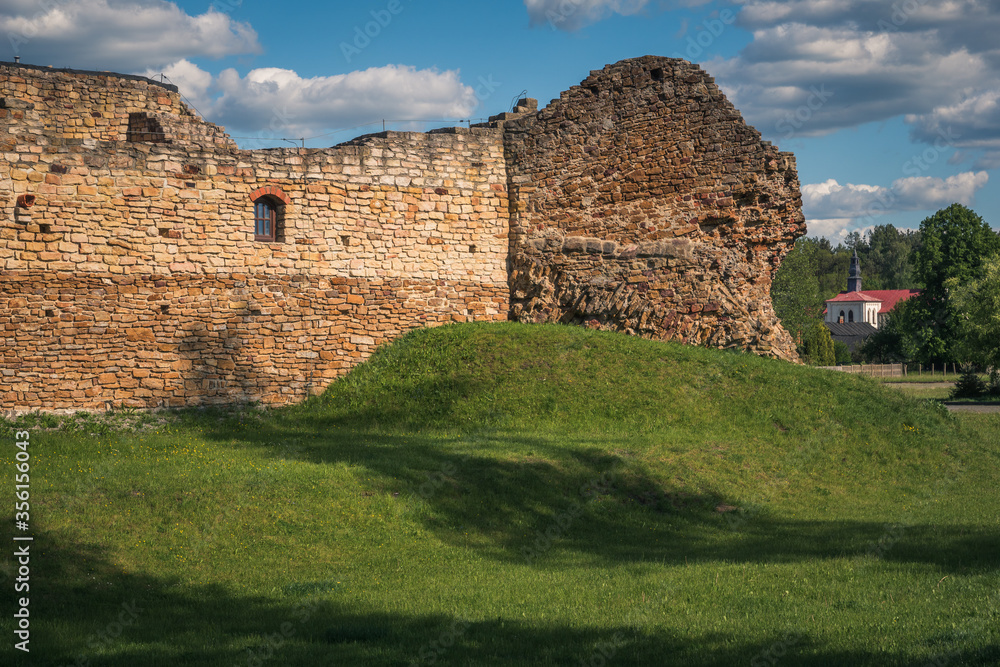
856	314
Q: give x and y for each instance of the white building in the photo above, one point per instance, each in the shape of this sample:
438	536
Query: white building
856	306
854	315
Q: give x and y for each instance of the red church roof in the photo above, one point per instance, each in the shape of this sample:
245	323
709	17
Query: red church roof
888	297
853	296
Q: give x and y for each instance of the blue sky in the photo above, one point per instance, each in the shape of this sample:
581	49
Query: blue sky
892	108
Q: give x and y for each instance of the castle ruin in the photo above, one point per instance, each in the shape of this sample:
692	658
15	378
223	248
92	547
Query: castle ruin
146	260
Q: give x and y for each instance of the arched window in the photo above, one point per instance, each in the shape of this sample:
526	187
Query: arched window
265	219
841	320
850	316
269	209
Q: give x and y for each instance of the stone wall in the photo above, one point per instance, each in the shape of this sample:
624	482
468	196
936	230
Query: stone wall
51	105
130	273
135	278
641	202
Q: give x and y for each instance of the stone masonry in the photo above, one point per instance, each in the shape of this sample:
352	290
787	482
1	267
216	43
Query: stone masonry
130	273
641	202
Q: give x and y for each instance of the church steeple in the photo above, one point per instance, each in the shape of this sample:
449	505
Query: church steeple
854	276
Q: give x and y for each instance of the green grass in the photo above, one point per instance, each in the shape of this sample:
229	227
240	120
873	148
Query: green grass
524	495
925	378
939	391
924	390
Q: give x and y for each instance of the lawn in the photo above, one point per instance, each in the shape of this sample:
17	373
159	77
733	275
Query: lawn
522	495
937	391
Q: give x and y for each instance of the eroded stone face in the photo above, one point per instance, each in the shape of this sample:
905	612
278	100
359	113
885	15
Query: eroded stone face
641	202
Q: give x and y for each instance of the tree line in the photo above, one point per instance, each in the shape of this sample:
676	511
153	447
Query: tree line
954	259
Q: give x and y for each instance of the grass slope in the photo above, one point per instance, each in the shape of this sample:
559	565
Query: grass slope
522	495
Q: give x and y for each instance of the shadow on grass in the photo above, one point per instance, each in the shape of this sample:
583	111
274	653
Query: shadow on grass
586	500
86	611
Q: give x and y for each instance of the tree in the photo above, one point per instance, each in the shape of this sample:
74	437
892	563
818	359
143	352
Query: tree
812	272
890	344
818	346
978	307
842	353
886	258
794	291
954	243
854	241
832	265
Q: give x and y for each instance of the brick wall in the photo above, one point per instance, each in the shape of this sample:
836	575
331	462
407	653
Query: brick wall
135	278
129	273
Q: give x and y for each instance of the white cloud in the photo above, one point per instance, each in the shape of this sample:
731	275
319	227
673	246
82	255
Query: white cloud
192	81
574	14
833	229
893	15
119	35
932	62
859	202
830	199
272	102
973	122
928	193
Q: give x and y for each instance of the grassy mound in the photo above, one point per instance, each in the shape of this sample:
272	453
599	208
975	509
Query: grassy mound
701	422
523	495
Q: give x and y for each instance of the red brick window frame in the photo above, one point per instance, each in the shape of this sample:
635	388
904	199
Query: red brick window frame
269	203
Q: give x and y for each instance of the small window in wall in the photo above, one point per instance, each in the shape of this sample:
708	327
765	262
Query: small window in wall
841	320
265	220
270	206
850	316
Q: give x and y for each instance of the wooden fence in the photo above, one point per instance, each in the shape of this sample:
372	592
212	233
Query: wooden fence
872	370
897	370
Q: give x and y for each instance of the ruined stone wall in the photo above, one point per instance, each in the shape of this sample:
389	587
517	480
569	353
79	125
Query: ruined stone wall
134	277
641	202
56	104
130	273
